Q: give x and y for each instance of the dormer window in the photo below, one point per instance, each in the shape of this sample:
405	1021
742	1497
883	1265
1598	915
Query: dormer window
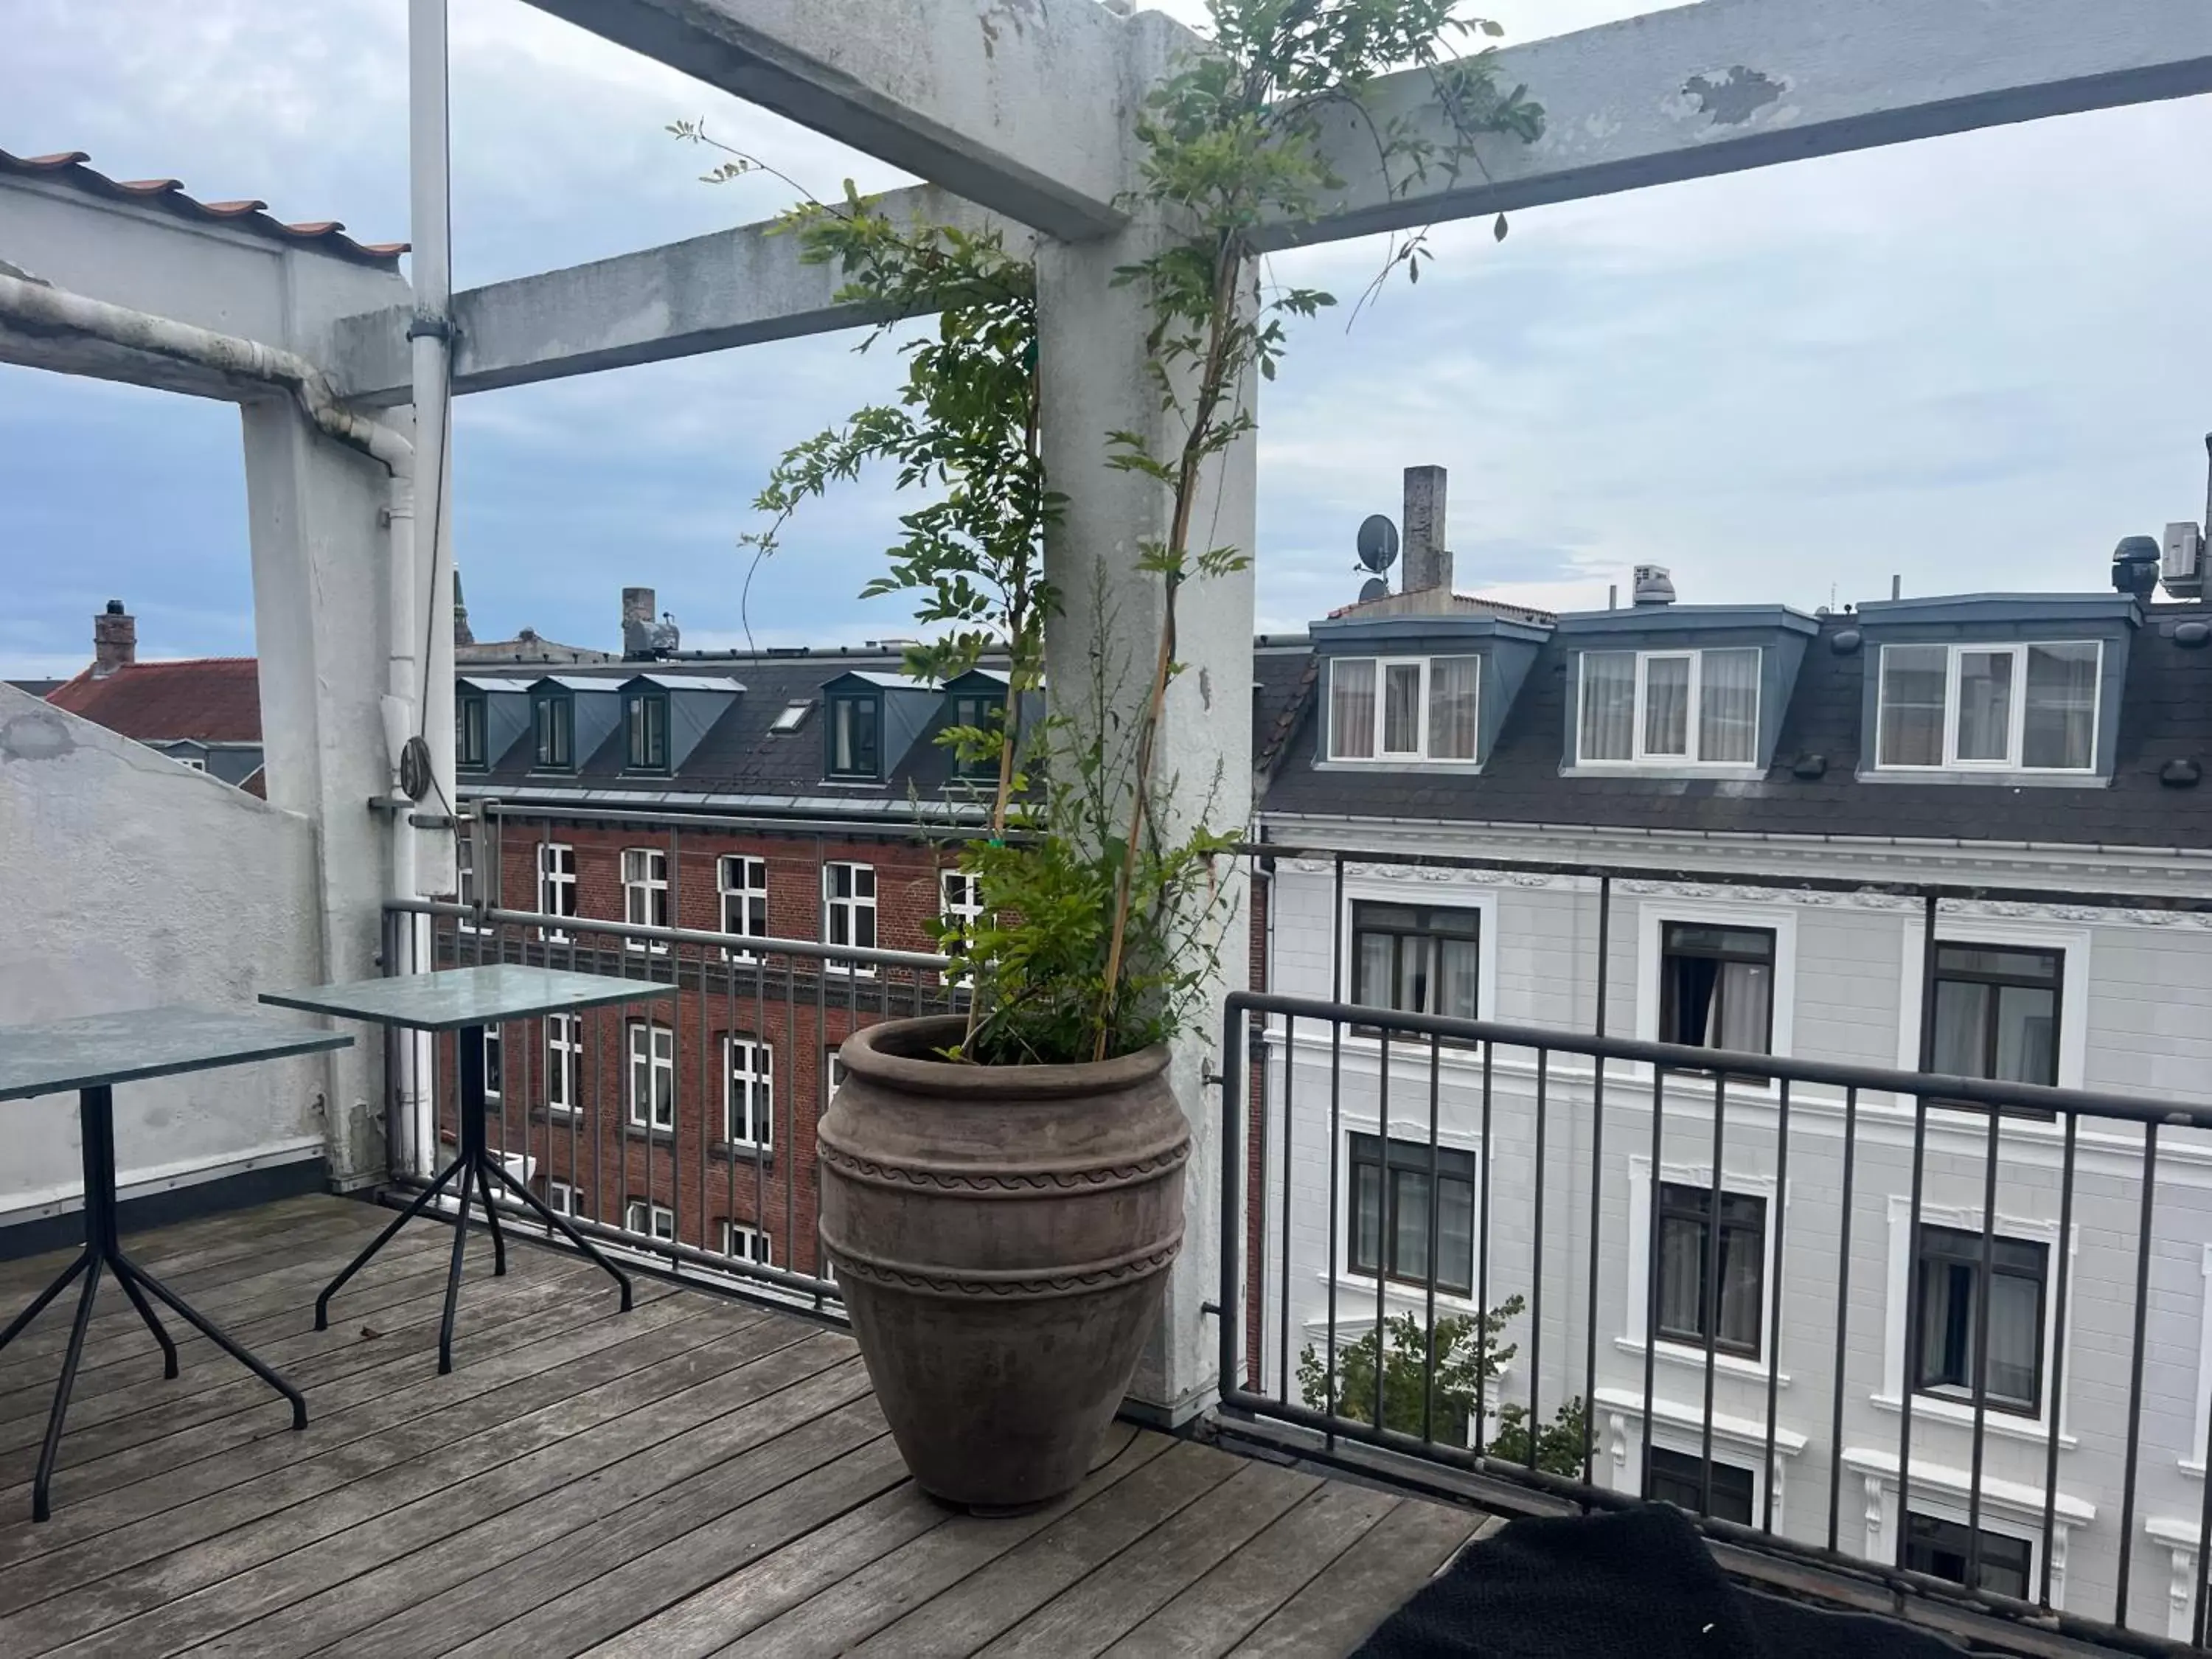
645	723
469	742
554	718
1995	707
855	726
980	712
1670	707
1403	709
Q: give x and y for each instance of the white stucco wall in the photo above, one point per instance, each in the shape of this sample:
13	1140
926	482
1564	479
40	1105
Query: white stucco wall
128	881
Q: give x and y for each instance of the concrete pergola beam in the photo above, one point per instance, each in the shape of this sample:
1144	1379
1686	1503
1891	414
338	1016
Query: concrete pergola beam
731	288
1732	84
1016	104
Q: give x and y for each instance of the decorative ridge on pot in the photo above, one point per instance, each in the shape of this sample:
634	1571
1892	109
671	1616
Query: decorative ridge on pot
864	1053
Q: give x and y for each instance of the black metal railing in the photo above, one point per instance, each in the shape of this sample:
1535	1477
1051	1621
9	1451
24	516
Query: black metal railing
1412	1368
676	1131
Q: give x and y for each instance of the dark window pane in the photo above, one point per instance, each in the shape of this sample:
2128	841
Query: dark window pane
1941	1549
1677	1478
1946	1282
1686	1296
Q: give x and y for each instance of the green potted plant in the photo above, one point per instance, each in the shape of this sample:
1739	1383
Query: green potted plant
1002	1191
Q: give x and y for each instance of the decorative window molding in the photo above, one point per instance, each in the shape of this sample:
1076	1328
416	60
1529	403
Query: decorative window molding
1395	710
2007	1507
1898	1304
1366	889
1653	915
1636	1324
2073	942
1678	1427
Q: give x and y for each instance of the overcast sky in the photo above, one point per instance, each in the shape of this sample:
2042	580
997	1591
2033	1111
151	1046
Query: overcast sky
1973	362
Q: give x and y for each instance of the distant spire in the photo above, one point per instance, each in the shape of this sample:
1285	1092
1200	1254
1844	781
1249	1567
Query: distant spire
461	633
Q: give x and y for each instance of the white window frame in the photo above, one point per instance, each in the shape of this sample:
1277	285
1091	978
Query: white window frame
190	763
758	1246
2015	735
833	1073
1938	1408
2072	945
757	1103
646	1115
751	897
638	891
1637	755
967	910
1779	919
560	1198
564	1063
1419	754
464	878
494	1038
636	1210
556	886
852	907
1642	1194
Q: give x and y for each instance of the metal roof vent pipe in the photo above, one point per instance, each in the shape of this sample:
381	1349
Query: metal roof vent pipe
2135	566
1653	585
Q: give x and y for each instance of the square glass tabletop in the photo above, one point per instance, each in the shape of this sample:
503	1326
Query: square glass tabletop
96	1049
453	997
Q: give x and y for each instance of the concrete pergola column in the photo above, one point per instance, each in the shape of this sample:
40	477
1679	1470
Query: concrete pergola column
1095	381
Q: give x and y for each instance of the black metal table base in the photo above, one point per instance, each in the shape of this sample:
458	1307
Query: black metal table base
480	1172
103	1254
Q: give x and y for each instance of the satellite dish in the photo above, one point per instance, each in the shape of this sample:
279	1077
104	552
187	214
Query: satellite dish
1378	542
1373	588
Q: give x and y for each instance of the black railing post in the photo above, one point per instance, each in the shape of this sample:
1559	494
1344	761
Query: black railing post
1597	1180
1232	1161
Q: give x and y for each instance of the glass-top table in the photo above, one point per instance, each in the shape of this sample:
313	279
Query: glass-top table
464	1001
92	1054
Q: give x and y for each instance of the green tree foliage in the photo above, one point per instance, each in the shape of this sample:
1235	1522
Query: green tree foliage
1437	1380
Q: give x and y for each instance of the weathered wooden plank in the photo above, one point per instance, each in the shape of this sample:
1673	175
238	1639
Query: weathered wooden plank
132	1362
345	1352
1225	1606
1342	1604
158	1246
546	1345
833	1619
190	1444
564	1596
216	1290
747	1598
964	1617
355	1482
312	1598
1087	1617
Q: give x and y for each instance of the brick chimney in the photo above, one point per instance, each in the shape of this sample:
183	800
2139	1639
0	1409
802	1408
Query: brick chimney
1428	562
637	623
114	640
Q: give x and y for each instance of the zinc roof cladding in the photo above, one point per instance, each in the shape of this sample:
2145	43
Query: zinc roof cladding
2166	714
323	235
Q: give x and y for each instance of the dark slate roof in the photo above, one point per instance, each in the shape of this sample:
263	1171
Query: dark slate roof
1284	672
2166	714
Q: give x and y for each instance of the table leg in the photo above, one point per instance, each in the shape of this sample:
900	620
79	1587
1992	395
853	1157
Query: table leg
429	1197
40	1507
453	1273
559	1223
132	1275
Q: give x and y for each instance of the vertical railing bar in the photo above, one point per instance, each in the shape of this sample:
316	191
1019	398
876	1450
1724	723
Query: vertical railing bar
1536	1274
1710	1300
1842	1312
791	1034
2135	1379
1597	1182
1482	1264
676	1052
629	1076
1234	1024
1773	1343
1913	1309
1435	1243
1653	1244
1981	1380
1283	1328
1386	1229
730	1156
2058	1372
790	1044
1336	1241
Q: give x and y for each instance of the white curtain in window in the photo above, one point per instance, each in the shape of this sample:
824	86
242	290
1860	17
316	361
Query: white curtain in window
1411	1222
1985	705
2015	1335
1452	688
2027	1035
1962	1015
1739	1021
1666	707
1912	695
1456	978
1728	707
1608	710
2061	719
1681	1275
1401	709
1351	709
1742	1266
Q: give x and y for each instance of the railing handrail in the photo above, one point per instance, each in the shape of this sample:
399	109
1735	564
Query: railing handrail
1896	887
1938	1088
751	944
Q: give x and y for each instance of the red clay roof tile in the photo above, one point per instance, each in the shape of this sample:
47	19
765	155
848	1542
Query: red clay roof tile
210	699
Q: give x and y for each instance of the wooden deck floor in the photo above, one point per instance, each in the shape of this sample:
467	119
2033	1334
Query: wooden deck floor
696	1477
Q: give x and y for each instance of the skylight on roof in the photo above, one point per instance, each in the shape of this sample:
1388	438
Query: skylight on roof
793	715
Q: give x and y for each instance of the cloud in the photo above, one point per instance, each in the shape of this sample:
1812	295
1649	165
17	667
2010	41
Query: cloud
1953	359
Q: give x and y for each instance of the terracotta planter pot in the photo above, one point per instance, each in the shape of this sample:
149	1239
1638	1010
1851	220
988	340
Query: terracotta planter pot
1002	1237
